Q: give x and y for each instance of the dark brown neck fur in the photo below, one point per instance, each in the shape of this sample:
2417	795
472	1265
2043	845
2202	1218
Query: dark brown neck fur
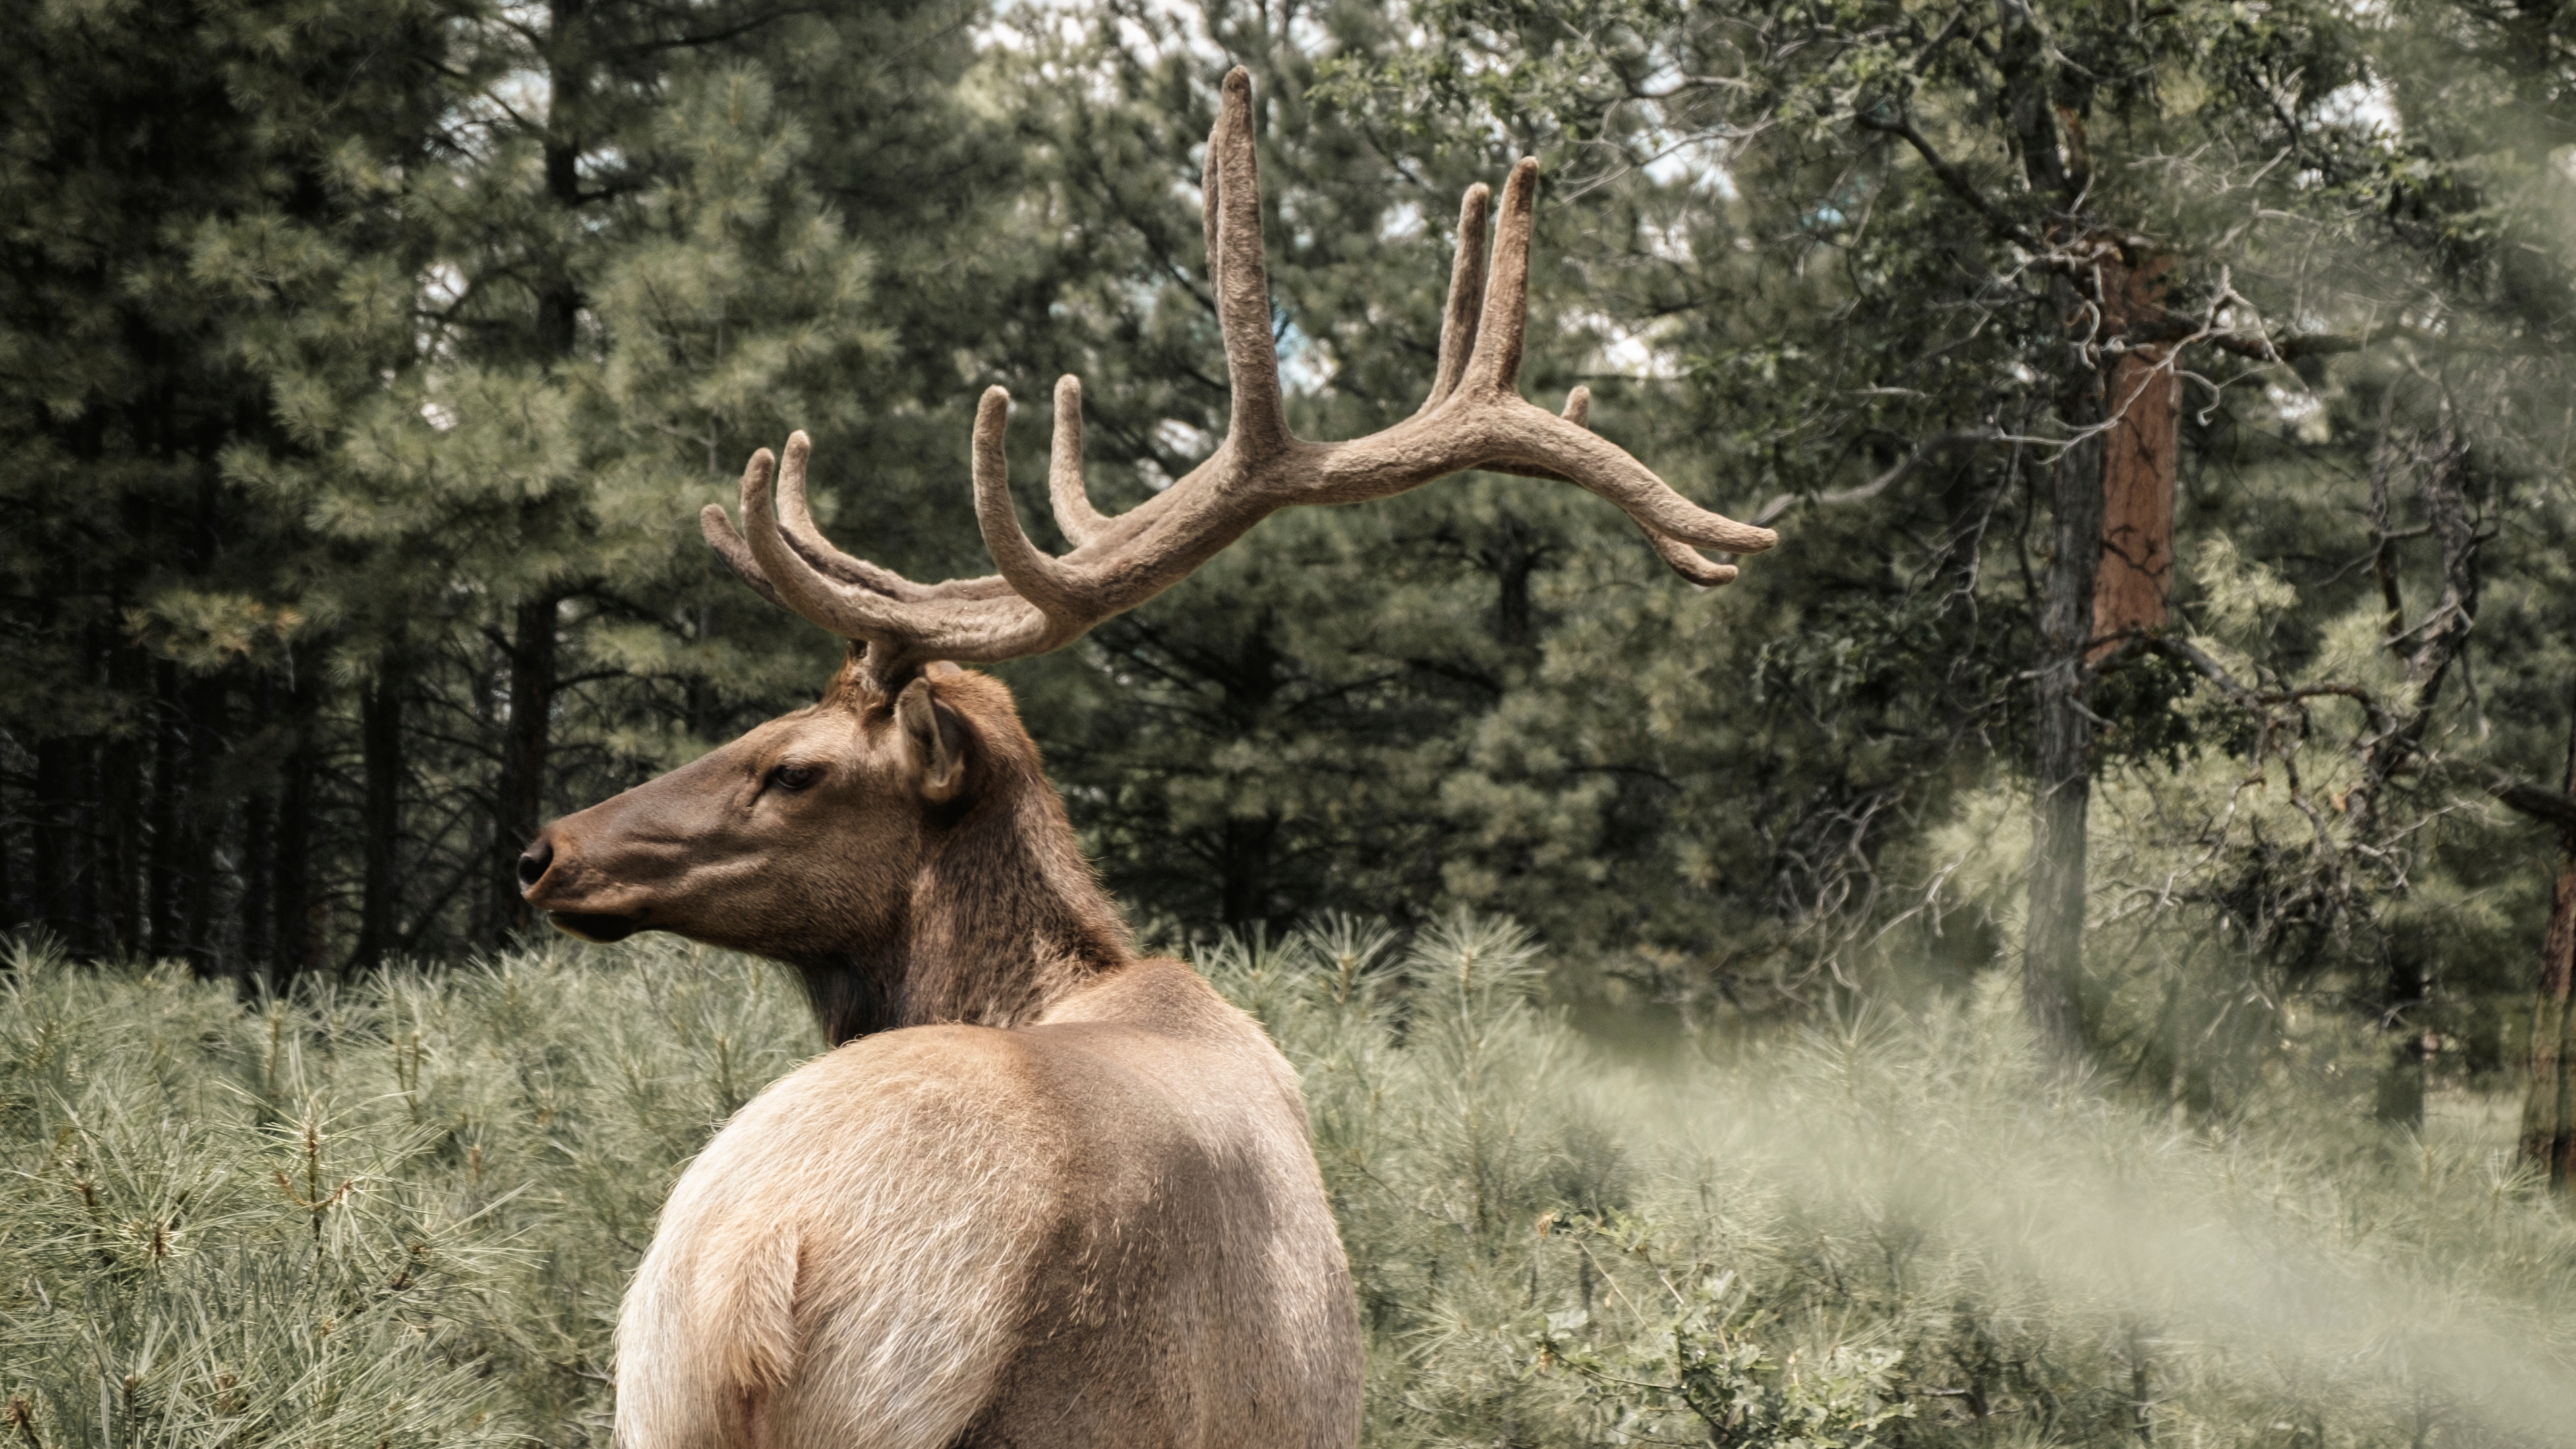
1005	917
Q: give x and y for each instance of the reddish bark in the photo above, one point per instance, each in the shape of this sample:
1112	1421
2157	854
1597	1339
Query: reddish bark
2138	463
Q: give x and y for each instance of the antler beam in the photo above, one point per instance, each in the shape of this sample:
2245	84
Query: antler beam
1474	418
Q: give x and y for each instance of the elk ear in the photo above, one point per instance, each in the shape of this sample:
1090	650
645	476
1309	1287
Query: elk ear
934	740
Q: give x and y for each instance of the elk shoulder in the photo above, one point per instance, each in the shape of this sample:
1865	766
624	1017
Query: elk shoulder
1080	1230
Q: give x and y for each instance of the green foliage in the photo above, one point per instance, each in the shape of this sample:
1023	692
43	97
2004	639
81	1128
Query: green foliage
1892	1231
398	1213
1725	1378
405	1210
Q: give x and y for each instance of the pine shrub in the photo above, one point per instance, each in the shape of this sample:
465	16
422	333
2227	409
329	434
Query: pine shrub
400	1213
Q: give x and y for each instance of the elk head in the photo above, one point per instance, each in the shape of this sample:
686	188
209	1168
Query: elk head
897	839
886	842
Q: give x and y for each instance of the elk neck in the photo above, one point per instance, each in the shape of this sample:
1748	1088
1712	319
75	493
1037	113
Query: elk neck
1003	919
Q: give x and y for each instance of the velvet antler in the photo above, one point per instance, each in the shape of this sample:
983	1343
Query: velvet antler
1474	418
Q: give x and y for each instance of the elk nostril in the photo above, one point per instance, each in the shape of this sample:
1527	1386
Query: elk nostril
532	864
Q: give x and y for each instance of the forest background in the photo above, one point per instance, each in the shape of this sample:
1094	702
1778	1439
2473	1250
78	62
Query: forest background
2164	408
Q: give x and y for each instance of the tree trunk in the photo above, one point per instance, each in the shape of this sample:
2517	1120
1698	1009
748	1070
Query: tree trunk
524	745
559	298
201	821
2139	457
162	855
103	869
297	927
1515	558
2443	468
1248	845
2053	941
519	795
258	902
118	880
10	917
258	883
380	826
1246	842
2057	170
2110	572
2549	1096
56	837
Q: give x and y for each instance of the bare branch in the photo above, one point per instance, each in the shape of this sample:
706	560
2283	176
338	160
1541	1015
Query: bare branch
2550	807
1921	453
1956	180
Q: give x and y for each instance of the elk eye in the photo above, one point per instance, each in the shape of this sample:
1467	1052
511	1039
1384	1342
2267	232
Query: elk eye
794	777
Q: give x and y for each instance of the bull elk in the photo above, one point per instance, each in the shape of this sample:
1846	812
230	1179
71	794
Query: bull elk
1042	1191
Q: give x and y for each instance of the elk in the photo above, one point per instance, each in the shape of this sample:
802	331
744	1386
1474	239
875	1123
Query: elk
1042	1191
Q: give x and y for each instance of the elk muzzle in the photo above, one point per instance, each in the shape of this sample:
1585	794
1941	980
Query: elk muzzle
623	865
557	887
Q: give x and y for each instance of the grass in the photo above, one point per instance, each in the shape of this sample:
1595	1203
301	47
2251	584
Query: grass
401	1213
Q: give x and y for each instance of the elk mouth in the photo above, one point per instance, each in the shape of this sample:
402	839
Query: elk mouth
595	926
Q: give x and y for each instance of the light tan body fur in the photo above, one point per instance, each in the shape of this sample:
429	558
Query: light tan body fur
1103	1228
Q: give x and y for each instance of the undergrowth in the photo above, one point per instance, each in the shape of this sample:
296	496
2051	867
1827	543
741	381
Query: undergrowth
400	1213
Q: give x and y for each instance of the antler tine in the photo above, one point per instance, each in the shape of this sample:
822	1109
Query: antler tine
1239	275
796	522
1564	447
718	528
1073	511
1032	574
842	608
1687	561
809	543
736	553
1466	297
1496	361
1681	557
979	620
1212	203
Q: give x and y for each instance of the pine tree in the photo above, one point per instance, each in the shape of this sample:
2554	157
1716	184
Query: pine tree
185	187
367	367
